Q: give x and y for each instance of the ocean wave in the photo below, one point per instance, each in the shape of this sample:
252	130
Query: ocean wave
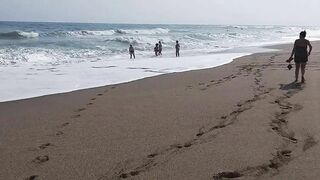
233	34
92	33
202	36
139	40
89	33
237	27
125	40
143	31
18	35
80	33
29	55
314	33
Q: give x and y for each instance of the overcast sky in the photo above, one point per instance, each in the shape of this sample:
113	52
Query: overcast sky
274	12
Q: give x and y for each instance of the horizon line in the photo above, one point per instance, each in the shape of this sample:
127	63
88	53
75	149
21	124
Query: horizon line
125	23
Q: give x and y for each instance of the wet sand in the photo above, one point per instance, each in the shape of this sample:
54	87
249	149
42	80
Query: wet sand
244	120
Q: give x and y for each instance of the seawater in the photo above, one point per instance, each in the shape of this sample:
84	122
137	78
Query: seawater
45	58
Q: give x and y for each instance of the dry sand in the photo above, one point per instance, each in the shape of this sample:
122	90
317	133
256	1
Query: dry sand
243	120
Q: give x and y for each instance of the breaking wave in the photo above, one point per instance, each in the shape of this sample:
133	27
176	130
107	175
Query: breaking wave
85	33
144	31
18	35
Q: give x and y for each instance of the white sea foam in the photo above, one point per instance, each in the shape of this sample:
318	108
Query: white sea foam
112	32
92	33
143	31
84	33
18	35
28	34
140	40
31	81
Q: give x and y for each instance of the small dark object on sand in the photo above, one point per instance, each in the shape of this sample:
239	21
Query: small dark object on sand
229	175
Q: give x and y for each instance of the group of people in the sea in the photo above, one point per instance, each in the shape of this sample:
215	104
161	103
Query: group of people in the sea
300	54
157	50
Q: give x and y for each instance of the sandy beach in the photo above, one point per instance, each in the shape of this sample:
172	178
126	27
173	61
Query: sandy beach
243	120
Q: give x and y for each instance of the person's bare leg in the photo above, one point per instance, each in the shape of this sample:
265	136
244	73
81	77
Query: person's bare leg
297	71
303	70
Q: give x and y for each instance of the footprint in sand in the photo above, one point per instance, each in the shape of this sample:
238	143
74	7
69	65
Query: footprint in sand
33	177
65	124
92	99
99	94
228	175
286	153
76	116
89	104
239	104
59	133
80	109
220	126
134	173
126	175
297	107
46	145
309	143
224	117
178	146
186	145
199	134
41	159
293	140
153	155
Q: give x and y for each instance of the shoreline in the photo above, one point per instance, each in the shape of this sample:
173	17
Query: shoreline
229	56
244	119
130	75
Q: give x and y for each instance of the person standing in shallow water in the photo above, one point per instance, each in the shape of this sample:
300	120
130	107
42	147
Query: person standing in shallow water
156	49
177	49
160	48
300	55
131	52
